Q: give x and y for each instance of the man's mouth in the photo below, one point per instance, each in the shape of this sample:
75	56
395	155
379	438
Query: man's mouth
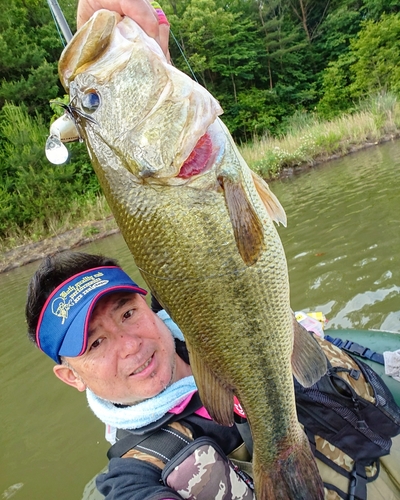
143	366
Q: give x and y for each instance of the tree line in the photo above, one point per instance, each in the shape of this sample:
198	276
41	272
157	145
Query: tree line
265	61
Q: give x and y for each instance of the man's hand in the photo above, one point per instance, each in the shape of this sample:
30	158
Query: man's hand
140	11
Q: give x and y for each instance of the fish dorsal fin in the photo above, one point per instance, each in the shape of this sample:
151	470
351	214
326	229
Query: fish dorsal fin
88	44
247	226
308	359
271	202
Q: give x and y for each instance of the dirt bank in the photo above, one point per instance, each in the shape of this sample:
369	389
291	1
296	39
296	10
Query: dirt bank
75	238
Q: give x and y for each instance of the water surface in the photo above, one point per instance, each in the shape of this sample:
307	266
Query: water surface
342	244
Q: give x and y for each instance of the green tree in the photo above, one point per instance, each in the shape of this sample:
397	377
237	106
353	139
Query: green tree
336	95
31	188
377	57
29	50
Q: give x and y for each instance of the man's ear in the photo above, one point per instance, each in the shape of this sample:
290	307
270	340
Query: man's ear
69	376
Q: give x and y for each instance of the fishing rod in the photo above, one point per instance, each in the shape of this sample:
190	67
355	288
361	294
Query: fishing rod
59	19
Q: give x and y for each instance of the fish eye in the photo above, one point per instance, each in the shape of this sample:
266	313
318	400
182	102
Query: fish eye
90	101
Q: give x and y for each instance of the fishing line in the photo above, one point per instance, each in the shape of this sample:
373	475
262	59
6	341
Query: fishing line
244	179
57	28
60	21
184	57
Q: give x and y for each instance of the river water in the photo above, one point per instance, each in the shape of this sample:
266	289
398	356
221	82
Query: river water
342	244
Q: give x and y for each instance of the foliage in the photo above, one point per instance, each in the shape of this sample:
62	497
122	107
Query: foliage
33	189
276	66
311	140
377	57
29	49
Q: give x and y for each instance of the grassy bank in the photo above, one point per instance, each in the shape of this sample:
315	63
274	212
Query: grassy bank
308	141
83	214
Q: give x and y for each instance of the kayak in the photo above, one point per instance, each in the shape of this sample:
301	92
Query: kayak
377	341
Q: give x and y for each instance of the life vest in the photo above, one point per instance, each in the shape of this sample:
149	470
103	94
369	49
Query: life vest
195	468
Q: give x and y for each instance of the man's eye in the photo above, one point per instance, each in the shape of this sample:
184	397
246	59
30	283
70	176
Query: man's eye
96	343
128	314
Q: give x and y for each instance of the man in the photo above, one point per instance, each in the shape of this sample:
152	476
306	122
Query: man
88	315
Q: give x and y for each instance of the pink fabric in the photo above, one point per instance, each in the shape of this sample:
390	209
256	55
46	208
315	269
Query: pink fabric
181	406
203	413
237	408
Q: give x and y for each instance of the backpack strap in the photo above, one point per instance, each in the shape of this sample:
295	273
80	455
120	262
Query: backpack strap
357	349
163	444
152	434
358	483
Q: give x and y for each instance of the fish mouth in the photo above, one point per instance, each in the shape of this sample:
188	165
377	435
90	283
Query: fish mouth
142	367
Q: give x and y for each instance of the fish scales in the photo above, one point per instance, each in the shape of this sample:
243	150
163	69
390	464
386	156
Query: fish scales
199	225
186	272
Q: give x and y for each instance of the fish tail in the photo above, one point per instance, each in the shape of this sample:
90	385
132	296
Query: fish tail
293	476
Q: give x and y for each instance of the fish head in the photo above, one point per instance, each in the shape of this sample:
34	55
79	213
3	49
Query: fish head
130	105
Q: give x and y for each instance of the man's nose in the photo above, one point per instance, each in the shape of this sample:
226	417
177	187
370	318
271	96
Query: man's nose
128	343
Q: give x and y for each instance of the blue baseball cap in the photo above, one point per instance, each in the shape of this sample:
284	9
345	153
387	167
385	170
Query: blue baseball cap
62	328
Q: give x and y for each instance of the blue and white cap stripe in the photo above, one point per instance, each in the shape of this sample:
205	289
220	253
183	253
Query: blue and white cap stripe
63	323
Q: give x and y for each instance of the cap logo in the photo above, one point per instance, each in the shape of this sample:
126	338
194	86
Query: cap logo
74	293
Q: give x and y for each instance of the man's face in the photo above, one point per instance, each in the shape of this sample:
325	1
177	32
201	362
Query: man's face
131	353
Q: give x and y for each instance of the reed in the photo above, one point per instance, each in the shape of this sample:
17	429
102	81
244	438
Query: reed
83	212
310	140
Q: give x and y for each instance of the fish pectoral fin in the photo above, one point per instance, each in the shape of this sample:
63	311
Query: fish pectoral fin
308	359
271	202
247	226
215	396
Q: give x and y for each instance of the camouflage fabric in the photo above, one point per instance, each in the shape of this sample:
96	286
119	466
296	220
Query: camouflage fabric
337	357
140	455
205	474
385	487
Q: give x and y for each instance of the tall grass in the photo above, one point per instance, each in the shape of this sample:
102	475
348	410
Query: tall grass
81	213
309	140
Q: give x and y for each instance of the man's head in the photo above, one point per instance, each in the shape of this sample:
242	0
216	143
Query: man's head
92	319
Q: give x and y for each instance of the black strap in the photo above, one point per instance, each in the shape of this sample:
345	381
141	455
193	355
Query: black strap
358	483
357	349
163	444
243	427
128	439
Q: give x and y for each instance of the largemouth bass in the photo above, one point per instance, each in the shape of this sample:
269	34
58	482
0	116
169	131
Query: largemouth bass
200	226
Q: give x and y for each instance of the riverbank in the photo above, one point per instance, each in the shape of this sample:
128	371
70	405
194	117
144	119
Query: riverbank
308	143
93	230
72	239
